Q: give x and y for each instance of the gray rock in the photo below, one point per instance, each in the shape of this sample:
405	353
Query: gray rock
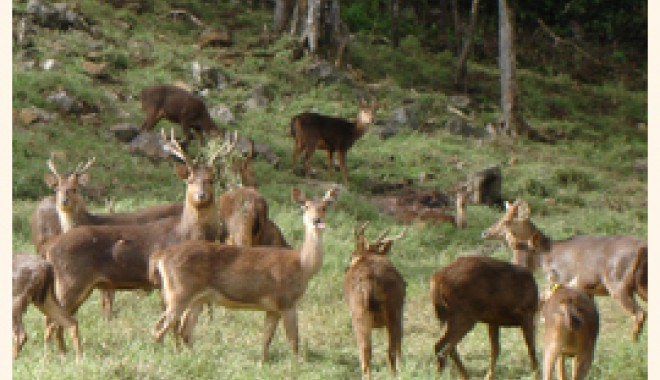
324	72
223	114
148	144
461	127
65	103
124	132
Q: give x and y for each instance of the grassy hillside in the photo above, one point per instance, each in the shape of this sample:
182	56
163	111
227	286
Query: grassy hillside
585	183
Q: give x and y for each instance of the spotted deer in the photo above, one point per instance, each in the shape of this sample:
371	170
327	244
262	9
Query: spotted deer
583	261
375	292
271	279
312	131
117	257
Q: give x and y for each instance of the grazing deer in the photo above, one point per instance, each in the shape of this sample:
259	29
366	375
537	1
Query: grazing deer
571	329
474	289
271	279
117	257
178	106
584	261
375	291
313	131
66	209
33	281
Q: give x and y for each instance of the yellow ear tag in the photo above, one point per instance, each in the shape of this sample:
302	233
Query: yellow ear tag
555	286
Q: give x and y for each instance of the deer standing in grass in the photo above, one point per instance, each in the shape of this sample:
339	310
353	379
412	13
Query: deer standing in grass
571	329
313	131
117	257
178	106
66	209
33	281
375	291
598	264
271	279
474	289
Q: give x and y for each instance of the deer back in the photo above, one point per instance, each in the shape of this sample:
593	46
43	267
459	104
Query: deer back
484	289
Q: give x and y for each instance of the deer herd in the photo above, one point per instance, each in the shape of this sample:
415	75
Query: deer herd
225	249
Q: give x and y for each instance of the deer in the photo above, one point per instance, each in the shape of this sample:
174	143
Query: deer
312	131
584	261
66	209
571	329
33	282
375	292
473	289
117	257
270	279
178	106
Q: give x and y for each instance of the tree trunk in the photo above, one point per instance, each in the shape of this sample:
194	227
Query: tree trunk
460	75
283	14
320	29
511	111
394	22
457	25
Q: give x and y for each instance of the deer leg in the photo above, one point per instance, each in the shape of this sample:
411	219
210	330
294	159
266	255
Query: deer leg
454	332
19	335
561	368
551	359
188	322
394	332
342	166
270	324
362	330
331	160
290	319
54	311
494	336
107	299
151	119
527	328
627	301
581	365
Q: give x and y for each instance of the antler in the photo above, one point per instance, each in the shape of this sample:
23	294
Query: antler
51	165
172	146
382	241
226	148
359	231
80	169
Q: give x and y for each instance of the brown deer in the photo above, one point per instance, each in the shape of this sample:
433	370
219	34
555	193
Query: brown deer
66	209
178	106
584	261
474	289
33	282
117	257
313	131
571	329
271	279
375	291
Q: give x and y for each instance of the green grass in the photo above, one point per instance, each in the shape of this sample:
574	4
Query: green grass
583	184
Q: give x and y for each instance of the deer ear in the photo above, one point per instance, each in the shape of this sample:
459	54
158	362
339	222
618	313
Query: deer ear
51	180
83	179
182	171
385	248
298	196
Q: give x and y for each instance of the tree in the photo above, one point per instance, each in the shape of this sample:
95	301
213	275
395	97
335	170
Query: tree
317	25
460	73
512	118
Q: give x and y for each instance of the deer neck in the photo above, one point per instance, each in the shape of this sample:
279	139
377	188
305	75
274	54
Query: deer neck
69	219
311	252
360	128
198	223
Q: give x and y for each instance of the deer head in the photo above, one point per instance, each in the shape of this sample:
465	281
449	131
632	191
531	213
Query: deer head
67	187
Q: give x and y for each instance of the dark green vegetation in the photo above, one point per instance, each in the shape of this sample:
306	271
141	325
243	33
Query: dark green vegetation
584	183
